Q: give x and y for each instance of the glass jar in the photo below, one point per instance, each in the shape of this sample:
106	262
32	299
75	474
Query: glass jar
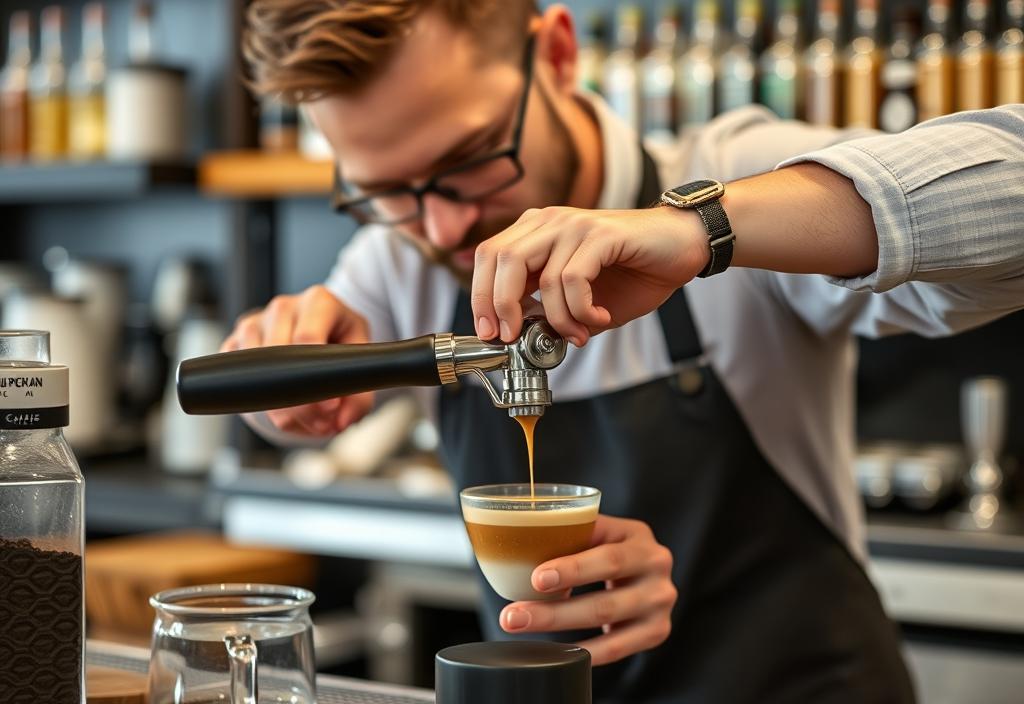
42	623
237	643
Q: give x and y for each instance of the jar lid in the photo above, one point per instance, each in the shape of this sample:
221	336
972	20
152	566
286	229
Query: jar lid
33	393
513	672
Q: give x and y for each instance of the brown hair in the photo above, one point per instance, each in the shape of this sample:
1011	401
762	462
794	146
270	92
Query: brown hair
300	50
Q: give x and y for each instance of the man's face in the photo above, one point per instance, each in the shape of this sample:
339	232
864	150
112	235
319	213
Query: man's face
441	102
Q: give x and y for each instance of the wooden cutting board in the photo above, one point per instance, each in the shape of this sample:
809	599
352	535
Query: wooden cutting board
122	573
106	686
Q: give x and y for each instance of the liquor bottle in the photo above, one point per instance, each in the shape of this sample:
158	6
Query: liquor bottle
622	68
863	63
1010	56
48	100
279	126
658	79
935	66
696	75
41	529
780	64
737	66
898	108
141	42
86	108
974	59
14	90
823	68
592	53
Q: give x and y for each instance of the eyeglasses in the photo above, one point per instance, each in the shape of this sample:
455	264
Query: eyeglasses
471	181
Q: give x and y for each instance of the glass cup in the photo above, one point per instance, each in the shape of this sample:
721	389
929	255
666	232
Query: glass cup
513	532
233	644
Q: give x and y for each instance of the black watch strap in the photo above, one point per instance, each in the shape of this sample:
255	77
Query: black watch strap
703	196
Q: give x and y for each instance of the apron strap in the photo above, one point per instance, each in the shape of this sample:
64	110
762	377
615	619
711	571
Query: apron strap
676	321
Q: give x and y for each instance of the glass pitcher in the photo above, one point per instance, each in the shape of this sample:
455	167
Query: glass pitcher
232	643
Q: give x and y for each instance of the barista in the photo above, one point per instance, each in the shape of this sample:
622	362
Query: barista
705	418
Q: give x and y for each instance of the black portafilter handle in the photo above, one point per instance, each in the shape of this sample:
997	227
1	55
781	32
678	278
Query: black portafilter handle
266	378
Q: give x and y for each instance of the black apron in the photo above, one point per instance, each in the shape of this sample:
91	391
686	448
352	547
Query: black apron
772	606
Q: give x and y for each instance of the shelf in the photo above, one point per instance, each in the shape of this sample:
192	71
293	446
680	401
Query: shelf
255	174
66	181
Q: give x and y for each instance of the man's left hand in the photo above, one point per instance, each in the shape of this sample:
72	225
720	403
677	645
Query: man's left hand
634	610
595	269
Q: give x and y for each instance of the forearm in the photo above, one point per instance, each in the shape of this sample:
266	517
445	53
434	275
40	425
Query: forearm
939	201
803	219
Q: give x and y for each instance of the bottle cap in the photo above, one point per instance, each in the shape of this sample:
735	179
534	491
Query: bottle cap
33	393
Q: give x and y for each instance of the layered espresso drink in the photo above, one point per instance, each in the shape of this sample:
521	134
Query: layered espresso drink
513	530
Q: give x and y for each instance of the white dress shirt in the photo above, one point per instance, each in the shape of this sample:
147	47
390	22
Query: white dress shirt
948	203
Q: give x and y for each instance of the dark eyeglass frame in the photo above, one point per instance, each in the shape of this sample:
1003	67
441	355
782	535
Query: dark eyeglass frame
343	203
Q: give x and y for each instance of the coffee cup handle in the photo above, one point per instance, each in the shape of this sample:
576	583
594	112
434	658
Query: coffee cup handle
242	658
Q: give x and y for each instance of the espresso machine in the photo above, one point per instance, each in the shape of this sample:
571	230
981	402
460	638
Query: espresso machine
266	378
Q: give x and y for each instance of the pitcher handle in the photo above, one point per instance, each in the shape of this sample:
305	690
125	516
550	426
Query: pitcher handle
242	656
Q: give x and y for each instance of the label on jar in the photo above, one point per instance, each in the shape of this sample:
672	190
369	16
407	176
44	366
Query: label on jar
33	397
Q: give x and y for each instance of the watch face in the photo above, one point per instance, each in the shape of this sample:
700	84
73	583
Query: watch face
693	194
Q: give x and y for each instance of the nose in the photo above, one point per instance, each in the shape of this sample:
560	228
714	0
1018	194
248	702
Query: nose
446	222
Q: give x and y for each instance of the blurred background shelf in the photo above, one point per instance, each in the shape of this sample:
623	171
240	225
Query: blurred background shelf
88	181
256	174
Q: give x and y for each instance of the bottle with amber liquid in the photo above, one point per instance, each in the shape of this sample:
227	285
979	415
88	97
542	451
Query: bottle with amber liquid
658	78
86	83
823	69
974	60
622	68
737	66
780	64
863	61
48	99
898	108
696	75
1010	56
935	65
14	90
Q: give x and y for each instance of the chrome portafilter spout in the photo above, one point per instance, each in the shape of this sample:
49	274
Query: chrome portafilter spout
266	378
983	416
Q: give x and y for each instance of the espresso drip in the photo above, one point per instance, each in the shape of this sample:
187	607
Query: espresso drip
529	424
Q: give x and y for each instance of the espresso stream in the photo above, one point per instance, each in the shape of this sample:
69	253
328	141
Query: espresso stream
529	424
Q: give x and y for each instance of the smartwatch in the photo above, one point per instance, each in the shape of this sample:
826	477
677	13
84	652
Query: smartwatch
703	196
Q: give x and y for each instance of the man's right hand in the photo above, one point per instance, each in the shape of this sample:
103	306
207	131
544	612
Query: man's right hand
312	317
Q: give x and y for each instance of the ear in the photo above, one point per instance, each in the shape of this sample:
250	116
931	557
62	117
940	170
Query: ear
556	45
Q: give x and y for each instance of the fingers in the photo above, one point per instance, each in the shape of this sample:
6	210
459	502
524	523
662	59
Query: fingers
352	408
627	640
315	316
631	550
634	610
248	333
577	276
559	247
500	273
637	600
279	321
552	293
322	318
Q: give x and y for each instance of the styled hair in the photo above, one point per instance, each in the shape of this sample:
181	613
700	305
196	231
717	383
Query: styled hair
301	50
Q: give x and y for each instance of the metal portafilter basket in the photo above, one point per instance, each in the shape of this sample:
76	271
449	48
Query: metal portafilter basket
292	375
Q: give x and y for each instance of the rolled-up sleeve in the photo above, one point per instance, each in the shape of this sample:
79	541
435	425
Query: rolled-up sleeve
947	197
